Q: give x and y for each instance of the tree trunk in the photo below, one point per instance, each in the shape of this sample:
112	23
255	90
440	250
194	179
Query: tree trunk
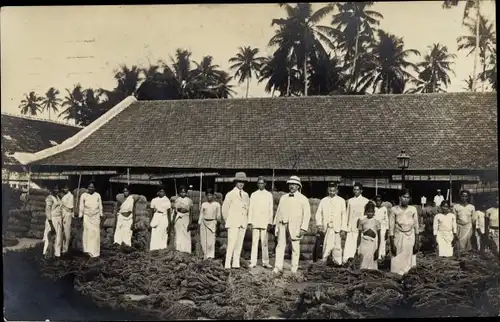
289	81
49	114
272	93
353	79
248	85
476	52
305	75
484	71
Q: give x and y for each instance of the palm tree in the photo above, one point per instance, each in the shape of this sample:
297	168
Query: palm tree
128	80
298	36
483	45
469	5
51	101
490	74
73	104
31	104
388	64
247	63
434	70
354	25
469	84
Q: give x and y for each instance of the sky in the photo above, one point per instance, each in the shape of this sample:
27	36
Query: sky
61	46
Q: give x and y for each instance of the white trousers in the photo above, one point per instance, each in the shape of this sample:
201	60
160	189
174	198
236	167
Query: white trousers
350	246
67	216
207	238
259	234
159	233
92	235
332	245
182	235
280	249
123	231
57	222
235	238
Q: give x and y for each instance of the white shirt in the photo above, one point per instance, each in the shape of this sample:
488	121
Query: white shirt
492	215
67	202
90	205
161	205
127	205
210	211
52	207
381	214
438	199
355	211
478	219
235	208
464	214
332	213
445	223
260	213
294	211
423	200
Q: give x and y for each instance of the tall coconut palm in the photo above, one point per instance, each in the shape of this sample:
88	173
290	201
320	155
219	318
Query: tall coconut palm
469	84
299	36
483	45
389	65
247	64
490	74
31	104
51	102
434	70
128	80
73	104
354	26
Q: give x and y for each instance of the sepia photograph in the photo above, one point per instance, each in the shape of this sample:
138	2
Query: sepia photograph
250	161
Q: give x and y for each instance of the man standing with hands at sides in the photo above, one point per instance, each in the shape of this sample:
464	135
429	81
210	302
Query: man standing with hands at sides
331	219
235	214
183	205
464	212
355	210
260	218
90	209
67	214
159	224
381	214
125	220
53	224
292	216
491	227
210	214
438	199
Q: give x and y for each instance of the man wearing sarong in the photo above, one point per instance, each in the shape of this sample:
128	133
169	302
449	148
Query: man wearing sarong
381	214
90	209
292	217
331	220
478	223
355	210
491	220
464	211
183	205
403	235
235	213
445	230
159	223
53	223
125	220
210	214
67	214
369	238
260	218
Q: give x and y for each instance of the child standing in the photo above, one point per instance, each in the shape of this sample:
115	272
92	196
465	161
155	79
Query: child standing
210	214
382	216
445	230
369	238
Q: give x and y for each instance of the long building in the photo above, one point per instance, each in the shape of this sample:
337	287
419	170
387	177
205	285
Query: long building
450	137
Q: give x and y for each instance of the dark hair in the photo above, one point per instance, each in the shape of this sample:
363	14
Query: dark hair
404	191
261	179
358	184
378	197
91	182
465	191
160	188
55	187
182	187
127	187
209	191
333	185
445	203
370	207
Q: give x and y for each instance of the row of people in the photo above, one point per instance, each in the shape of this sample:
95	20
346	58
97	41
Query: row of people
363	225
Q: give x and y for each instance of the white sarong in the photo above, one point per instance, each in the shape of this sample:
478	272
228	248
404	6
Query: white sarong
404	259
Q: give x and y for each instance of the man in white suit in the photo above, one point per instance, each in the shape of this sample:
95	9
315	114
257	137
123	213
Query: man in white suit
293	215
235	214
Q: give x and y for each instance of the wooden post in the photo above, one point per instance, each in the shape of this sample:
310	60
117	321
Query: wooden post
175	184
128	176
376	186
29	181
272	183
451	191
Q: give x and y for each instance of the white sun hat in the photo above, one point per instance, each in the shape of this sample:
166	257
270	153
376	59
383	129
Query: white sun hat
294	180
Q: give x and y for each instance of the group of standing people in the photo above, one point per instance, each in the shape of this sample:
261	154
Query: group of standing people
364	225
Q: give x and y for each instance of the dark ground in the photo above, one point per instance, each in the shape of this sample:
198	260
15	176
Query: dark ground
29	296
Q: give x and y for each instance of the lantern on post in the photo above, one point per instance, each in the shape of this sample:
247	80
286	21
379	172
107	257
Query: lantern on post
403	164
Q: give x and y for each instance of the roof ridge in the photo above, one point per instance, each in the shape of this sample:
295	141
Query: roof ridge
32	118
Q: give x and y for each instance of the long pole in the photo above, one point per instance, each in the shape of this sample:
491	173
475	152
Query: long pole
376	186
272	183
402	178
128	176
451	191
29	181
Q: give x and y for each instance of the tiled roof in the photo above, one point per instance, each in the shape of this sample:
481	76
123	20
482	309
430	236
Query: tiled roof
439	131
23	134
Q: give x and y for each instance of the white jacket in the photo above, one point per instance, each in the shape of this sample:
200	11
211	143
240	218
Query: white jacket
355	211
260	214
332	213
235	209
294	211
